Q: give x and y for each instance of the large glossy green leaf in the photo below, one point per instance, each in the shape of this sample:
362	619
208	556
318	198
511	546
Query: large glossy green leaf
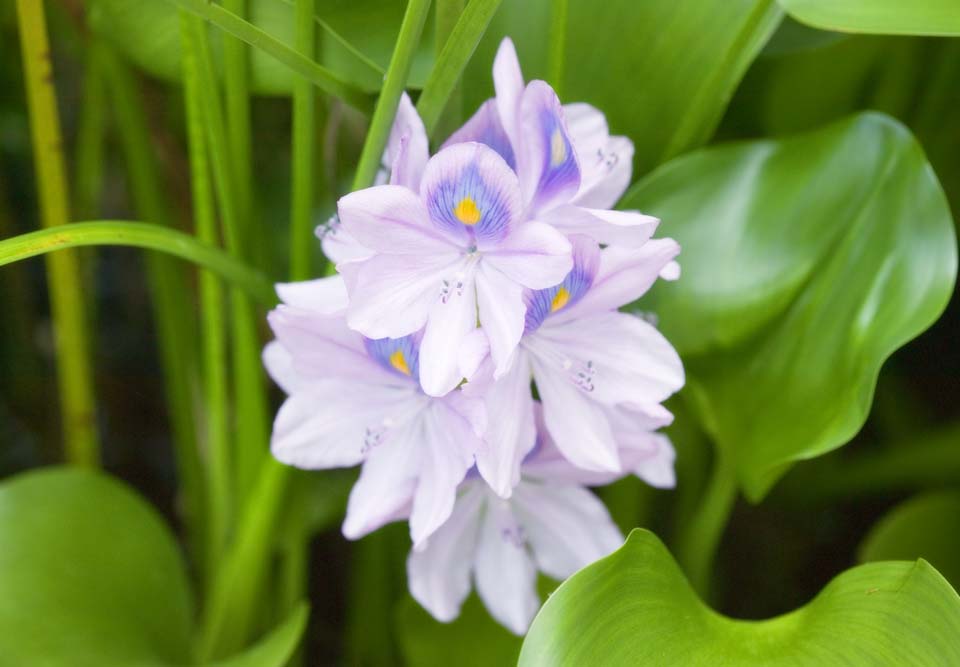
358	48
89	576
898	17
662	71
922	527
806	262
635	607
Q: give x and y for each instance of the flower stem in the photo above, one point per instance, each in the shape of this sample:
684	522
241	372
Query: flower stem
389	100
67	305
212	325
699	539
302	240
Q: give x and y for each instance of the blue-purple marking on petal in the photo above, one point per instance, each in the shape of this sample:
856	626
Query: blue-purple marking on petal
560	169
485	127
542	303
466	202
397	355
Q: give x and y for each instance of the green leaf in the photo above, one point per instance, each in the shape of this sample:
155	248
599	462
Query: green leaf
895	17
634	607
473	639
807	261
89	575
356	42
919	527
662	71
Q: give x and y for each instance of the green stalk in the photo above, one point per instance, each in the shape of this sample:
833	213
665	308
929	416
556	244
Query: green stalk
140	235
556	59
75	376
304	134
212	324
237	97
698	540
172	313
322	77
91	132
446	13
252	420
389	100
453	58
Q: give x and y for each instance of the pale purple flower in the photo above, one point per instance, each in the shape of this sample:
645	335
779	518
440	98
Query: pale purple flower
551	523
447	256
354	400
597	371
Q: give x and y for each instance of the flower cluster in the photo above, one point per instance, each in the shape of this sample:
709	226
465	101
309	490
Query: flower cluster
465	280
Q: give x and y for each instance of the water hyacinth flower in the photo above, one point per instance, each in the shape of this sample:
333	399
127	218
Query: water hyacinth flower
457	252
552	523
354	400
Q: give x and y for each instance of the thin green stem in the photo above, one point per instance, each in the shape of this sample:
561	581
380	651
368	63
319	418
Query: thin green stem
447	12
303	149
559	10
322	77
212	323
237	97
173	314
252	420
389	100
139	235
699	539
456	53
91	132
75	375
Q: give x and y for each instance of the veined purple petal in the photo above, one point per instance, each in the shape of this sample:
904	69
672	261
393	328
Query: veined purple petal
542	303
485	127
471	193
398	355
407	149
508	83
547	163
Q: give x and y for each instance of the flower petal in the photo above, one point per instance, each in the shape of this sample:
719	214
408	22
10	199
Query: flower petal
448	443
439	574
485	127
471	193
624	276
407	149
511	434
324	295
279	364
508	83
623	228
338	245
505	574
535	255
384	491
612	358
452	318
322	346
392	295
391	219
329	424
567	526
546	302
577	424
546	162
502	311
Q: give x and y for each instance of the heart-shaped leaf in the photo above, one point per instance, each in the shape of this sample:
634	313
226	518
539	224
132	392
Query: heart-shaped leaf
635	607
806	262
90	576
896	17
919	527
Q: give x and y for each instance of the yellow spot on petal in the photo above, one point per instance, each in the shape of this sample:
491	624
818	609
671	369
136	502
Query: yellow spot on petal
558	148
467	211
398	361
561	299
